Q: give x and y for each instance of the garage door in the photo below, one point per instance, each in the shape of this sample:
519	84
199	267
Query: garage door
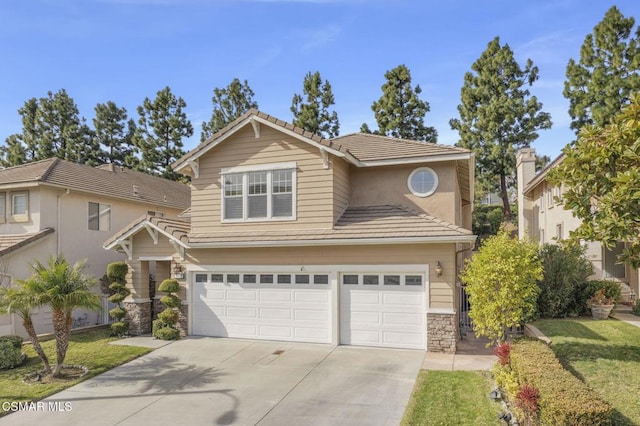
271	306
386	310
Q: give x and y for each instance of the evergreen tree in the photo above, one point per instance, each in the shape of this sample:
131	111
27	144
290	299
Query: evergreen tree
13	152
498	116
312	113
114	131
229	103
399	111
51	127
608	71
60	132
161	127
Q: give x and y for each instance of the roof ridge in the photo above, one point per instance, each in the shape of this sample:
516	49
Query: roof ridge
47	172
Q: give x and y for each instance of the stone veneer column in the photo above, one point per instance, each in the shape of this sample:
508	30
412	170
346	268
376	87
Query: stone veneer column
183	320
139	316
442	332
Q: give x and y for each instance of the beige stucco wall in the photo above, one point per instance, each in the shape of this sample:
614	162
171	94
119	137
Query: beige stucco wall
314	182
388	185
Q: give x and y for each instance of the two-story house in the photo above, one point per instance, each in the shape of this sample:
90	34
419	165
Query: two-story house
542	217
53	207
355	240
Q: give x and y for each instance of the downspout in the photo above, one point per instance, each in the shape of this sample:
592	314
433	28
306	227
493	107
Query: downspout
59	220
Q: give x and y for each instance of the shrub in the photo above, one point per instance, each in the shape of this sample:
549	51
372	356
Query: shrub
527	402
566	270
117	271
636	308
119	328
563	398
16	341
10	356
506	379
502	351
611	290
501	281
167	333
169	286
117	313
168	316
170	301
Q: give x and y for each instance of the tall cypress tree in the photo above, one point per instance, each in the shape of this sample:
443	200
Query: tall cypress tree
498	116
400	112
311	109
114	131
608	71
162	126
229	103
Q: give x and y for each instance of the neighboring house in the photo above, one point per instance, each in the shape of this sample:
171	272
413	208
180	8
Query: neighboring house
354	240
53	206
542	217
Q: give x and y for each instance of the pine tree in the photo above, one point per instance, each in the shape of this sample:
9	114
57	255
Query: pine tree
229	103
608	71
498	115
311	109
13	152
114	131
161	128
400	112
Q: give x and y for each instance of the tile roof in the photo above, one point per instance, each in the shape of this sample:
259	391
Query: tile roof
107	180
12	242
360	146
368	222
177	228
369	147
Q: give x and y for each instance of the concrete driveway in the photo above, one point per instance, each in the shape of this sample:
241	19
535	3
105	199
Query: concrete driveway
210	381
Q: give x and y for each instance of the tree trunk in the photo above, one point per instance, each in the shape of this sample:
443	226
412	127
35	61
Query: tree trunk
62	330
31	331
505	198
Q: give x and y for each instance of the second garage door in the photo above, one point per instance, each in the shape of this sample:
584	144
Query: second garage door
385	310
270	306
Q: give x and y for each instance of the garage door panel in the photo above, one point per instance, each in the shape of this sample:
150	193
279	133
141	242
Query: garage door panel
259	311
401	318
241	312
275	295
386	316
273	313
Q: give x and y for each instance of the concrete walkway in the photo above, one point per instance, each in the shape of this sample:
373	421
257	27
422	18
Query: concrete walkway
624	313
472	355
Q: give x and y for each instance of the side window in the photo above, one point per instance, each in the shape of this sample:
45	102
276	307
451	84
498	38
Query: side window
99	217
19	206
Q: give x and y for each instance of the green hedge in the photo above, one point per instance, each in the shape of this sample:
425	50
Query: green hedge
564	399
10	356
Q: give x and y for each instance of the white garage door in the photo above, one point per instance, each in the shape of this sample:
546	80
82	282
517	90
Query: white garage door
270	306
387	310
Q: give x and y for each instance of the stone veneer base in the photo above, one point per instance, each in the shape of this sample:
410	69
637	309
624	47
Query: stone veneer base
442	332
139	317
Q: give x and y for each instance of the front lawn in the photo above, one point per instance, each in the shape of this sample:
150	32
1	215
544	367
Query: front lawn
452	398
90	349
605	355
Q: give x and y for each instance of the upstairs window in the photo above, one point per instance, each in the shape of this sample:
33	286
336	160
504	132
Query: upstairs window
19	206
260	193
99	217
423	182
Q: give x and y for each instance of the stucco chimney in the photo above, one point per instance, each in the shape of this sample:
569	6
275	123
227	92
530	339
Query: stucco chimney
526	169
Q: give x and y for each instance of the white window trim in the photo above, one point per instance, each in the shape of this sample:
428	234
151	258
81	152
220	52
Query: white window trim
3	211
245	170
435	182
24	217
99	210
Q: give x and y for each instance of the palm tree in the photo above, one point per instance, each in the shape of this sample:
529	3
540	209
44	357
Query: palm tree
64	288
20	301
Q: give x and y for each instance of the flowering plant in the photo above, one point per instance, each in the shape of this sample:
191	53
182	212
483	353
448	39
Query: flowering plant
599	298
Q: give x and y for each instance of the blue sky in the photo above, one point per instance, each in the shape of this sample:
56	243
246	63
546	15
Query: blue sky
126	50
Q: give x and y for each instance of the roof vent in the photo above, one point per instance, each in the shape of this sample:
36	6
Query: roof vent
135	190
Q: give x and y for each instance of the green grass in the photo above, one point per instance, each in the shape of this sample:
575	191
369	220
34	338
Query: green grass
90	349
452	398
603	354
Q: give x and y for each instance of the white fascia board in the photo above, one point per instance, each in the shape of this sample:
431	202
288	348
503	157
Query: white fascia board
19	185
339	242
416	160
143	225
259	167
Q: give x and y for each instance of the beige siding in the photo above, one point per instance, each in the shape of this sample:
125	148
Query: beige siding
314	183
388	185
341	187
441	288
